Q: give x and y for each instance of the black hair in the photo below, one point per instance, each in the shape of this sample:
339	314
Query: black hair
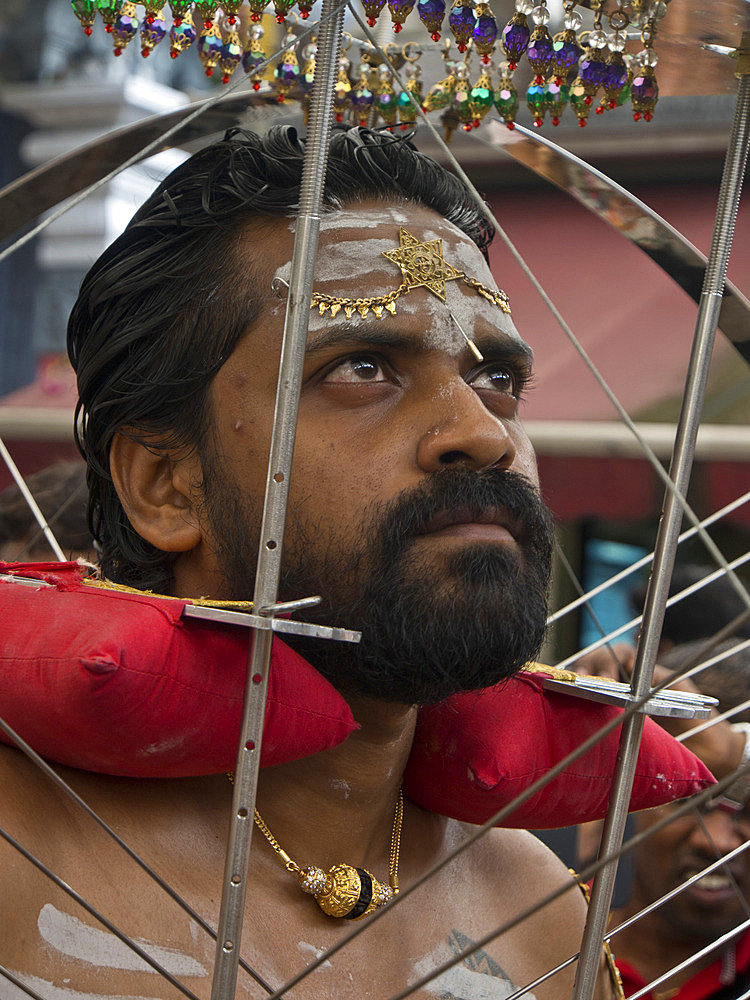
165	305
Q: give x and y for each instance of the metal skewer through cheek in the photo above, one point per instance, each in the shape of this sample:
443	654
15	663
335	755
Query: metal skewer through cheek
275	504
666	543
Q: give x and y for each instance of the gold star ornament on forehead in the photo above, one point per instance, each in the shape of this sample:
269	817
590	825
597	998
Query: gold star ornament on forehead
421	264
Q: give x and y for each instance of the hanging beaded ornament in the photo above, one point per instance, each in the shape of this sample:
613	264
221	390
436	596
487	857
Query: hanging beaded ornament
362	97
286	73
125	27
432	14
572	66
484	34
153	29
231	52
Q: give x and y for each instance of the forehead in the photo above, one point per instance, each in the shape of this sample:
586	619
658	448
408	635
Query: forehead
351	264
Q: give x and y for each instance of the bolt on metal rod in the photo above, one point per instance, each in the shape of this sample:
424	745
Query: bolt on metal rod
669	525
275	504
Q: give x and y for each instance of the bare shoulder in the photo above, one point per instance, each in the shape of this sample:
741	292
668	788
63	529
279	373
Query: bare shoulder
535	882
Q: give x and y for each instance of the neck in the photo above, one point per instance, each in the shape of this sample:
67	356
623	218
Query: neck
338	806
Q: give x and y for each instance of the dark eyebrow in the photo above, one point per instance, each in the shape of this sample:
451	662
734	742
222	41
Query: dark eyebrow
377	334
346	334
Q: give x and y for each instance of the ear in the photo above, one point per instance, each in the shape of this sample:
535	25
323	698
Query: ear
158	493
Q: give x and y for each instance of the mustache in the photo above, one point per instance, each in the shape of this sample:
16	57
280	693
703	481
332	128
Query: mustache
481	493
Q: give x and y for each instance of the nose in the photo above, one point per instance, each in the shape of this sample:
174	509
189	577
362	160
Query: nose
462	431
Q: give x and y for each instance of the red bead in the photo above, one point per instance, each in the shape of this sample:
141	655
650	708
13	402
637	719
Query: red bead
539	79
280	98
466	127
209	71
280	18
397	28
150	18
648	116
256	85
636	116
208	25
435	36
600	110
88	29
173	53
555	120
177	22
254	16
510	126
372	21
582	122
537	123
225	78
118	51
558	81
232	20
512	66
404	126
304	14
461	47
486	59
588	99
145	52
612	104
339	116
108	28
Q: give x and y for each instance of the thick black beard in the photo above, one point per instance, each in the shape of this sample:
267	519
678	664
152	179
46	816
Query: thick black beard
433	625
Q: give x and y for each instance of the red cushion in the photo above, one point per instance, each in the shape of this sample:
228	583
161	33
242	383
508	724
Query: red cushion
496	743
122	684
119	683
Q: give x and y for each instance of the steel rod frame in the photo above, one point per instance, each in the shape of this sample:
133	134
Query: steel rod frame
275	504
669	526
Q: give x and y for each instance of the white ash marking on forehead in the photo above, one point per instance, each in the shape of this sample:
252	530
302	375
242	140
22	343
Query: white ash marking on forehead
352	217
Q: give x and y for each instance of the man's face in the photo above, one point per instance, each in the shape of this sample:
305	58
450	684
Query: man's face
716	903
414	507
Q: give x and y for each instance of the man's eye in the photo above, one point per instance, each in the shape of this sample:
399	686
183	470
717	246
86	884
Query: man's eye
499	378
362	368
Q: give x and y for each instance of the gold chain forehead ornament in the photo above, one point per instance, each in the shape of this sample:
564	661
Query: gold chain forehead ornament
421	264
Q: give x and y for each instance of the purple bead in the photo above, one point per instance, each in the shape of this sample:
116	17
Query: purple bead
400	7
126	25
251	60
485	32
287	72
615	76
515	37
566	56
540	52
362	100
209	46
462	22
644	90
431	13
592	71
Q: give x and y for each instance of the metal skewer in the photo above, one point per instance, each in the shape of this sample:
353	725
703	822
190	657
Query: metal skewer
275	504
666	543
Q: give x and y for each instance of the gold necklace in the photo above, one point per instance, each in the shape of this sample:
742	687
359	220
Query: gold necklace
345	891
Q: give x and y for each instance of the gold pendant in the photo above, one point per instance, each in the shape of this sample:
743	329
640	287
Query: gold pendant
344	891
